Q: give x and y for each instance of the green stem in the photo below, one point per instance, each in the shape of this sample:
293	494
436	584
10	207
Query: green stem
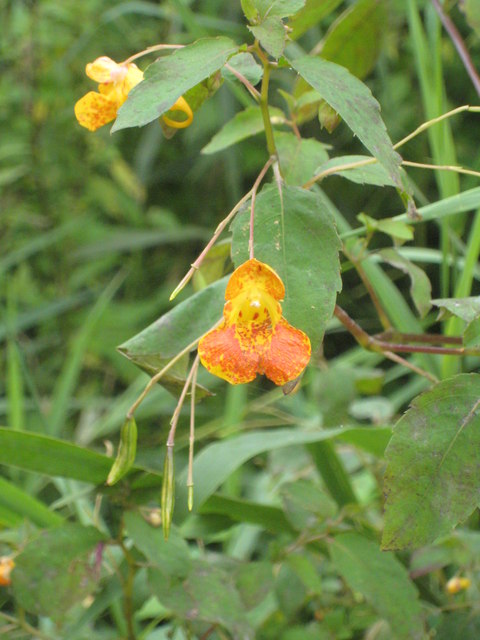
128	592
272	150
332	472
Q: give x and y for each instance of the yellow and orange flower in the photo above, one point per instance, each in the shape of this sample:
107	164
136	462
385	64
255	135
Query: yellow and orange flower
6	566
115	82
254	337
457	584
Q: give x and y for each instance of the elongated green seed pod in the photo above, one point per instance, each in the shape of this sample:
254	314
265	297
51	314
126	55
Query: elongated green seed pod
168	492
126	452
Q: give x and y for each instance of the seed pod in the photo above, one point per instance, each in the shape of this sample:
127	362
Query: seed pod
126	452
168	492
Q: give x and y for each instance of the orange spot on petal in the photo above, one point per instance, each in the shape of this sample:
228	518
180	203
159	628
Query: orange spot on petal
94	110
258	274
288	355
221	353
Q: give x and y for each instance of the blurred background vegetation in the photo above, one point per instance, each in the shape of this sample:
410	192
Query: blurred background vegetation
97	230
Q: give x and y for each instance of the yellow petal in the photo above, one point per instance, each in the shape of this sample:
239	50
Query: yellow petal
255	273
180	105
118	91
114	91
94	110
133	77
6	566
105	69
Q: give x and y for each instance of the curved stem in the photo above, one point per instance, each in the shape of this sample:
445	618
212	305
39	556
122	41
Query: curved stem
218	231
252	206
423	127
128	591
191	439
251	89
152	49
181	400
459	45
272	150
153	381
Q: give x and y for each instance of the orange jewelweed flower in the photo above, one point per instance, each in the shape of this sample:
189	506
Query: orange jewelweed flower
115	83
6	566
254	337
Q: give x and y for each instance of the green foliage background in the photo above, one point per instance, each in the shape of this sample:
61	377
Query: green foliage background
96	230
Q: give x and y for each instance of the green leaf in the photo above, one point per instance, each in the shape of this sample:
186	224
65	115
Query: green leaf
172	557
268	517
395	229
214	265
245	64
433	468
354	102
17	505
371	439
53	457
468	309
271	34
307	567
306	505
333	473
471	8
155	346
374	174
55	570
354	40
254	581
170	77
310	15
382	580
327	117
458	625
290	591
452	206
298	157
197	95
250	10
296	236
216	462
278	8
73	361
420	289
243	125
207	594
392	227
471	336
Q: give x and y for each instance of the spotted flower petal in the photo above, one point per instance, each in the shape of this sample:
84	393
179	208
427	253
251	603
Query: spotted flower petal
115	83
255	273
254	338
95	109
288	355
116	80
221	353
